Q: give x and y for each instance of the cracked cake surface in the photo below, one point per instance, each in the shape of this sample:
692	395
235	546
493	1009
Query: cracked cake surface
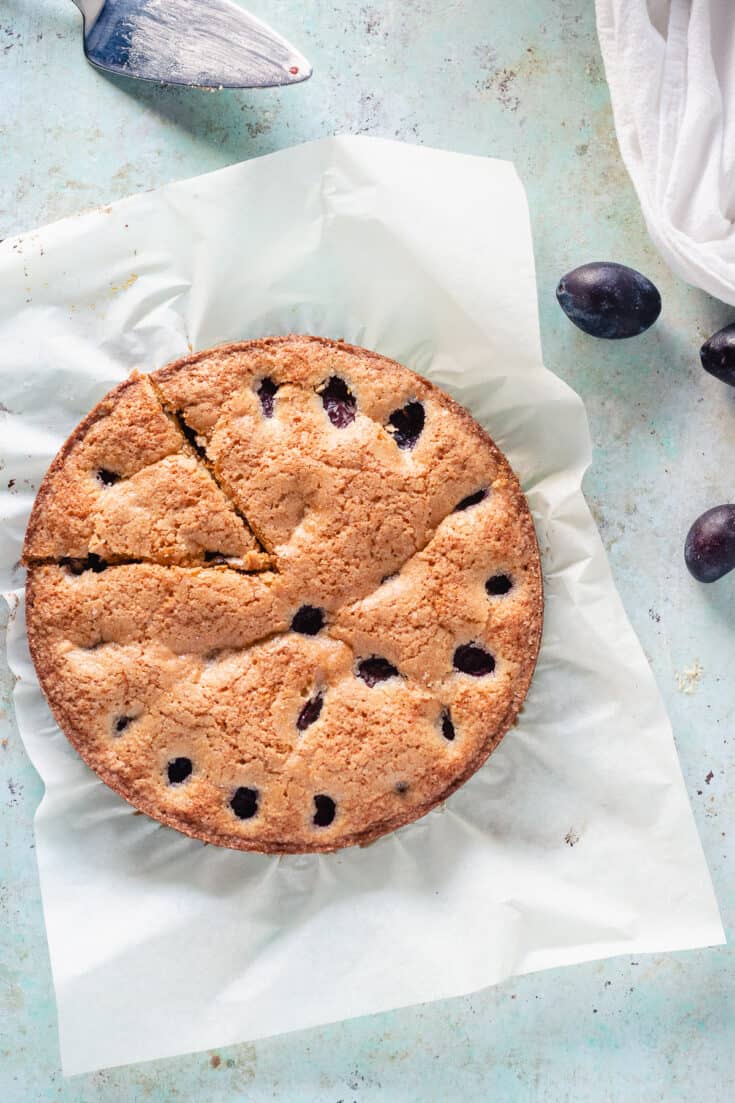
282	595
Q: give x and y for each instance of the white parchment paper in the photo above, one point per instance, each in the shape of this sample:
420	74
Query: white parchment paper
161	945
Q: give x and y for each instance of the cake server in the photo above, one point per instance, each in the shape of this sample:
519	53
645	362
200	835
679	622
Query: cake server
205	43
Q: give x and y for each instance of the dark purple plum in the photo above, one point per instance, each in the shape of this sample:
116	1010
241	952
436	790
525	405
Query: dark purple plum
471	500
325	812
339	402
308	620
267	395
470	658
178	770
244	802
447	726
718	355
107	478
310	713
407	424
609	300
709	550
375	669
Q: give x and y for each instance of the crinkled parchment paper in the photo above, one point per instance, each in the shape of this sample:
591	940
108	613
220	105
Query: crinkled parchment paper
161	945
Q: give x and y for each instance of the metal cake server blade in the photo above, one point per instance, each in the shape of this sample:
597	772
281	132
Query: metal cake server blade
205	43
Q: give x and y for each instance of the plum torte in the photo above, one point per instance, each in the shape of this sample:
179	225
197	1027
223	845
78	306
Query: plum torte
282	595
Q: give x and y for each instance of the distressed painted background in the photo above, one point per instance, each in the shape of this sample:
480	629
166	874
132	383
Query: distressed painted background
522	81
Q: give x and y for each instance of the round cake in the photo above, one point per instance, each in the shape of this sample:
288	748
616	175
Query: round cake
282	595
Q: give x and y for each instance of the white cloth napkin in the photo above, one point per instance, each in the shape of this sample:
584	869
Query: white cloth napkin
670	65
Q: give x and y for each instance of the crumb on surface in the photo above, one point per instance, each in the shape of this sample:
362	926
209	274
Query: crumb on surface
688	680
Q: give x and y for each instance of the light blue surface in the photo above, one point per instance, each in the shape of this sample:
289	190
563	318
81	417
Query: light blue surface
520	81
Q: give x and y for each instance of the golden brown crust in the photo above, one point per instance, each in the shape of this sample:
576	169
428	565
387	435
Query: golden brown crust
200	660
158	502
36	520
